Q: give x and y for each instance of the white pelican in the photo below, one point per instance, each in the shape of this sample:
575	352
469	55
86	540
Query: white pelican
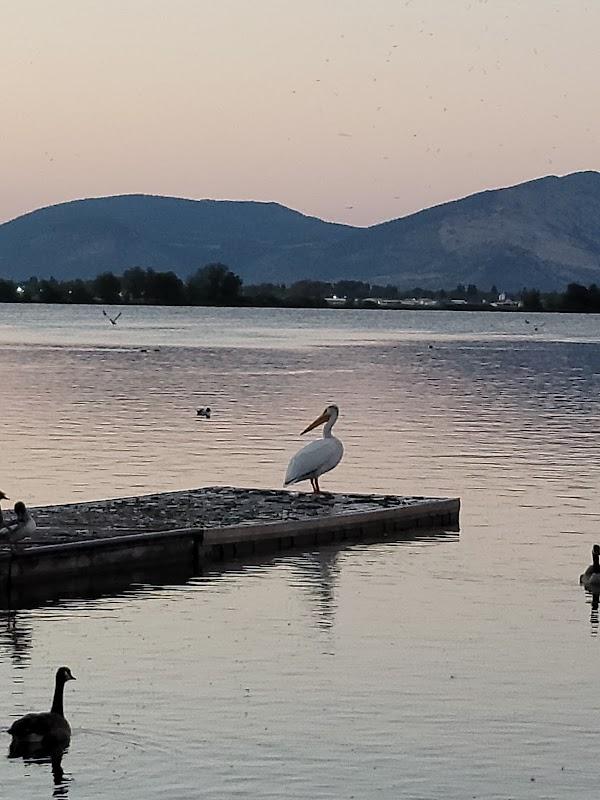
317	457
591	577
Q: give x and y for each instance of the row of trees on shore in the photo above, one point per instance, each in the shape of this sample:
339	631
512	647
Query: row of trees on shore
217	285
213	284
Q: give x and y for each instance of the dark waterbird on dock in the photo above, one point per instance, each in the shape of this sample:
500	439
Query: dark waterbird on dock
2	497
45	729
317	457
590	579
23	525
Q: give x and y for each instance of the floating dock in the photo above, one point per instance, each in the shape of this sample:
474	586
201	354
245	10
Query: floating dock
207	525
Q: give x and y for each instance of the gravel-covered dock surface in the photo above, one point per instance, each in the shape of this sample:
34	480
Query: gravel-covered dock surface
206	508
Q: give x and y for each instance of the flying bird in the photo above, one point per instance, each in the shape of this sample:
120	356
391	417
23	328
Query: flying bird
319	456
112	320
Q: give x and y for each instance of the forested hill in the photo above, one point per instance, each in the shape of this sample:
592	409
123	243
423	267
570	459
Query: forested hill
82	238
544	233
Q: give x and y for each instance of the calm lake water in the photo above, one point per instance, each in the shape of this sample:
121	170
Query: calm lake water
463	666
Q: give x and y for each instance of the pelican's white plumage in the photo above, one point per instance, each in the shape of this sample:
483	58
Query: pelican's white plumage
317	457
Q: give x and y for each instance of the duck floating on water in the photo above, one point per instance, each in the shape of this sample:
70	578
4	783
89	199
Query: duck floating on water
204	411
317	457
47	728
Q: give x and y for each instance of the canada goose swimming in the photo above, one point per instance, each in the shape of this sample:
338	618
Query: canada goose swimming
590	579
50	726
112	320
203	412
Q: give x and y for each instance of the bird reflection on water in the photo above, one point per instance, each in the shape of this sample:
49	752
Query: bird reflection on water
593	600
318	573
33	753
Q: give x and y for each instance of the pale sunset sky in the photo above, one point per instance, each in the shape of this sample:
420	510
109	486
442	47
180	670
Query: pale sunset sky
348	110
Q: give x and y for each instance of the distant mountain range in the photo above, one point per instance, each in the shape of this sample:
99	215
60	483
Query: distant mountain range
544	233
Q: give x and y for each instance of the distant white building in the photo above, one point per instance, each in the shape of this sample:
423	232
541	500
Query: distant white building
423	302
504	301
335	301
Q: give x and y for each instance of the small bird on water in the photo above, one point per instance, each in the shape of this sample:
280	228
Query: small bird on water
204	411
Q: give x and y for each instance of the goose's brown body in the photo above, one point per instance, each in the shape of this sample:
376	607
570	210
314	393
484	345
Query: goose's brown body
591	577
47	726
37	727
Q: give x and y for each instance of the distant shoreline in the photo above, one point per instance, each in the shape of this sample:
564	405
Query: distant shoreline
469	308
215	285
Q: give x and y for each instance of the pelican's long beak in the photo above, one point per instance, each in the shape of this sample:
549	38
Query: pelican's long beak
319	421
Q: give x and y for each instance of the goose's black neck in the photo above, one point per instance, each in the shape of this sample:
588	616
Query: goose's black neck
57	700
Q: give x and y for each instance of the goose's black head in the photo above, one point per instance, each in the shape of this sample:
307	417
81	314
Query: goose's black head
596	550
4	496
64	674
